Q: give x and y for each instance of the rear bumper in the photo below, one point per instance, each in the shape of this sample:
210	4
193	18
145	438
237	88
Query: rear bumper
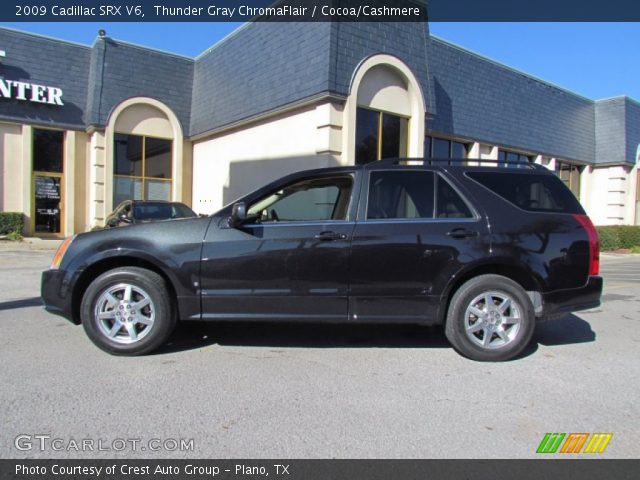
55	290
560	302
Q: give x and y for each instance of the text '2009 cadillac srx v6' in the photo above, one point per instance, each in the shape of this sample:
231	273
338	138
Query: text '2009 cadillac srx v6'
486	250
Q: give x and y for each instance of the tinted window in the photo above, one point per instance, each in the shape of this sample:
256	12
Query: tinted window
370	125
458	150
47	150
449	203
366	136
157	153
400	195
127	155
440	148
536	193
309	200
161	211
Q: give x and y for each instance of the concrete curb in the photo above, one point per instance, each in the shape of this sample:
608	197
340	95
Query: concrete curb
31	243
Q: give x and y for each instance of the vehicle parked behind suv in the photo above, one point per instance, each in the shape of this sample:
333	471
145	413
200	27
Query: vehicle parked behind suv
485	250
139	211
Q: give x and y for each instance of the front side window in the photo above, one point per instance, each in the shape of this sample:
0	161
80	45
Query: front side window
308	200
398	195
380	135
142	168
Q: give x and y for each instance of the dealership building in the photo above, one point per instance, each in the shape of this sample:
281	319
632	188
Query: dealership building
85	127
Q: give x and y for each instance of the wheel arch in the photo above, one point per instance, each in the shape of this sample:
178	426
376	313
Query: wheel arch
102	265
518	273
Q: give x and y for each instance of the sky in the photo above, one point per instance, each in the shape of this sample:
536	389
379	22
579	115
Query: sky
596	60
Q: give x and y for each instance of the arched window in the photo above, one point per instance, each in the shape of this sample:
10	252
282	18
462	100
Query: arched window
144	153
385	112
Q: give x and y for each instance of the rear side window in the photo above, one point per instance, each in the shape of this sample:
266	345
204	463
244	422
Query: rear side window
535	193
400	195
449	203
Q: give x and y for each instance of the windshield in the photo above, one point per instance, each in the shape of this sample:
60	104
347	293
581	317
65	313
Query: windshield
161	211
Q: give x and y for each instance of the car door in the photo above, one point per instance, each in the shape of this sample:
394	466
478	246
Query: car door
290	260
414	232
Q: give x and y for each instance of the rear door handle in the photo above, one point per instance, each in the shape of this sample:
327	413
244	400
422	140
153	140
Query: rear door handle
462	233
330	236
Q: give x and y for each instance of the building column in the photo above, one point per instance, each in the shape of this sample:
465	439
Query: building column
97	192
27	207
329	121
69	172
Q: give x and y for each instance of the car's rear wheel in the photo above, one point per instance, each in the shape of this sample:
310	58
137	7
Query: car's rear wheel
490	318
128	311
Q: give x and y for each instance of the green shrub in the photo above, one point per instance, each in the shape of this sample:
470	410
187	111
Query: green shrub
635	249
614	237
608	238
629	236
11	222
14	236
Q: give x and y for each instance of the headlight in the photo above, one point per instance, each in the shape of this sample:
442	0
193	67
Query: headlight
57	258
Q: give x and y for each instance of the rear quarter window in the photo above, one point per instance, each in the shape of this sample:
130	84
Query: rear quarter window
531	192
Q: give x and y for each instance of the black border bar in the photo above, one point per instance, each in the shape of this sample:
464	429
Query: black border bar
321	10
582	469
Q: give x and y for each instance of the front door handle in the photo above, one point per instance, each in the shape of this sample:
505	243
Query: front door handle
462	233
330	236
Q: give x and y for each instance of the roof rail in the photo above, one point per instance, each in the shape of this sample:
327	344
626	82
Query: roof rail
467	162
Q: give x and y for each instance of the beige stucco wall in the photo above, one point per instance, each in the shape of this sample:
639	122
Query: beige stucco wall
607	194
11	168
231	164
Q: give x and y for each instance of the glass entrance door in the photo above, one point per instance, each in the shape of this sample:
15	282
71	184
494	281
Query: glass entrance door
47	191
48	203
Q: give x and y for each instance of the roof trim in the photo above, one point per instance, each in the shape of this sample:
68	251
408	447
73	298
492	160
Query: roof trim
142	47
46	37
223	40
305	102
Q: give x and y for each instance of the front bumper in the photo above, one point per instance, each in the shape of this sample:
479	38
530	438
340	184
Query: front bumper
560	302
55	290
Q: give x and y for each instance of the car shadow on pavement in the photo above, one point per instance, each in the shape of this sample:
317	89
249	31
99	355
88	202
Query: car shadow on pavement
565	331
22	303
193	335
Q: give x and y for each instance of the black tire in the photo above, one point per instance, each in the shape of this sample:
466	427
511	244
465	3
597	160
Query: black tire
152	323
491	335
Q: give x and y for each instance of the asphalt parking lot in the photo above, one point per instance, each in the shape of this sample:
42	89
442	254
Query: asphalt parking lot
313	391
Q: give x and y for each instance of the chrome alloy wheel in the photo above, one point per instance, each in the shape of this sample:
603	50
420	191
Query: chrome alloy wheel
124	313
492	320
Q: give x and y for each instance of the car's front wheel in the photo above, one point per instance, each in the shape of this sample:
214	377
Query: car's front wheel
128	311
490	318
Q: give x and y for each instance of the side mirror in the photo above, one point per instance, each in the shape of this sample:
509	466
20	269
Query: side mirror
238	214
124	218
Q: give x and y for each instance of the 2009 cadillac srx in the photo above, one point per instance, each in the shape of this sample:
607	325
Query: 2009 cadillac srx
485	250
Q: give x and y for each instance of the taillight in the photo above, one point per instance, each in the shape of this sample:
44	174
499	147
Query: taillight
594	243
